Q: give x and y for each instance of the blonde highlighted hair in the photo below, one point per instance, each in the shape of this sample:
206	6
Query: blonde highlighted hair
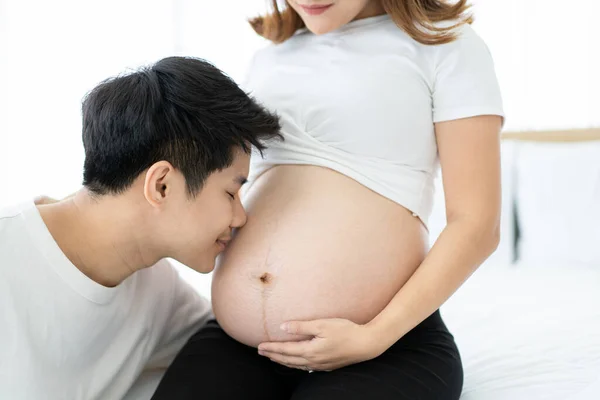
417	18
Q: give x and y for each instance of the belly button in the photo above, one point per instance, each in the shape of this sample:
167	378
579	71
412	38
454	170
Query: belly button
265	278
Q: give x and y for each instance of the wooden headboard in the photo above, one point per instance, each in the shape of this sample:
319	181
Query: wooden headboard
573	135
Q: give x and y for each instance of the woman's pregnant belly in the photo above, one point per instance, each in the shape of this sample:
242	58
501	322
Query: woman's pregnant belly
316	245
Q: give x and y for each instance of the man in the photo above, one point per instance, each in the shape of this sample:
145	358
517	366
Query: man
87	300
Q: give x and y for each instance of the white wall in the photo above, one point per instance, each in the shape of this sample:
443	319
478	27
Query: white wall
53	52
547	58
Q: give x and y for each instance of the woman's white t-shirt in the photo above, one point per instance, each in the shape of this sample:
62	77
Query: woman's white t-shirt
363	101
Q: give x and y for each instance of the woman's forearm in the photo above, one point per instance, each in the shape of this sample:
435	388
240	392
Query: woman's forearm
461	247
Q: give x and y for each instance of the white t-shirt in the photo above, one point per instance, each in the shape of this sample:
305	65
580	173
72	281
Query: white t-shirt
64	336
363	101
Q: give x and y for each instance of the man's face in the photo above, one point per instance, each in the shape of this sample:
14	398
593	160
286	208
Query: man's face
199	228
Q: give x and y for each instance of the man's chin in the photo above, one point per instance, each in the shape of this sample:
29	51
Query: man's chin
203	264
202	269
209	269
206	267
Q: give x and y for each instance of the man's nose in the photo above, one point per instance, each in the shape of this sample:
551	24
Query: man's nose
239	214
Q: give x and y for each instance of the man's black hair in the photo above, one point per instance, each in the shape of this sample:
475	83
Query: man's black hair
182	110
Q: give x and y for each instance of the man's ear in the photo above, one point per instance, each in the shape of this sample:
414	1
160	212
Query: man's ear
158	184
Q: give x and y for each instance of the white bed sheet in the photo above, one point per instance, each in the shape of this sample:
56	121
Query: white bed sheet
528	333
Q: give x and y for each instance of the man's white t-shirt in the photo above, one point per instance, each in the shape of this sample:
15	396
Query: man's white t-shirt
64	336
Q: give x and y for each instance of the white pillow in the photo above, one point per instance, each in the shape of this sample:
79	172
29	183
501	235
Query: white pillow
558	203
505	253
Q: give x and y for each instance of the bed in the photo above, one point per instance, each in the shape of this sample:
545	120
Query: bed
528	332
530	329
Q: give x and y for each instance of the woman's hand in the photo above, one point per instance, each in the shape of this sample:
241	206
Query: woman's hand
335	343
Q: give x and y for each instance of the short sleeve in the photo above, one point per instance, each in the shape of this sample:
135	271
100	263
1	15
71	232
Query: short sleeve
189	312
465	82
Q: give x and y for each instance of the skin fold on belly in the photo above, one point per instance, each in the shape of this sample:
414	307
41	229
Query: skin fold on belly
316	245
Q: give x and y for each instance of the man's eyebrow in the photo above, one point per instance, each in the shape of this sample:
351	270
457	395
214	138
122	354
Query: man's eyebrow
241	180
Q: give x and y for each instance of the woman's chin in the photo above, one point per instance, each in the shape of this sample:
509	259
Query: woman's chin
322	28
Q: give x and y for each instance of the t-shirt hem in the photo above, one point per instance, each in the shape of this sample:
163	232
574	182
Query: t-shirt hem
467	112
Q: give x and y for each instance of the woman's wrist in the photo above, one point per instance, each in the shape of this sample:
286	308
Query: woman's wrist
383	333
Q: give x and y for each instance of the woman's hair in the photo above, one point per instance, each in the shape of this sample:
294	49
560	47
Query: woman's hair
417	18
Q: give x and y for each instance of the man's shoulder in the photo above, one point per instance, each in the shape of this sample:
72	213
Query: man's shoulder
14	210
13	221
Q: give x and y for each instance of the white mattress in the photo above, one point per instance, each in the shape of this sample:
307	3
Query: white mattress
528	333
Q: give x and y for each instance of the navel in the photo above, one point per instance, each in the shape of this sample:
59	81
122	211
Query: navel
266	278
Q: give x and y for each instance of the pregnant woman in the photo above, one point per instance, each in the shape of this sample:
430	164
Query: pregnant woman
332	273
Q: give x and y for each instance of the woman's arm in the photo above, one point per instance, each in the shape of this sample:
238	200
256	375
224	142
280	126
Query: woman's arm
469	151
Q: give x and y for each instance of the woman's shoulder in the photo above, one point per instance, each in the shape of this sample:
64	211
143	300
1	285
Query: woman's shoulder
467	42
267	51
